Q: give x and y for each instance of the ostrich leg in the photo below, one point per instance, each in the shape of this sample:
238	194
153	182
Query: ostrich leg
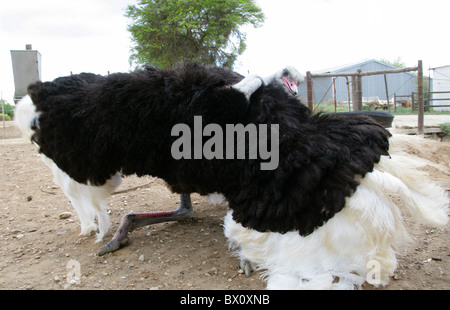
135	220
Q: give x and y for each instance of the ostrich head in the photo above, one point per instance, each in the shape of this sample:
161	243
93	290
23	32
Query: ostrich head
288	77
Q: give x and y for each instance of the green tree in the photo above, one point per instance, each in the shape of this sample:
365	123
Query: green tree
396	63
165	32
9	109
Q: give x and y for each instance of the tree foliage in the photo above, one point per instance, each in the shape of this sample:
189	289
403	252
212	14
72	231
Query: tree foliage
166	32
396	63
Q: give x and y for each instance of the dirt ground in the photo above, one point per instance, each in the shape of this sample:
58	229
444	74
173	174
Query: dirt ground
40	250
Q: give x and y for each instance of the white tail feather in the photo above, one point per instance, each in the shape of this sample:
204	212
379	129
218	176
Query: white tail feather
339	255
24	115
88	201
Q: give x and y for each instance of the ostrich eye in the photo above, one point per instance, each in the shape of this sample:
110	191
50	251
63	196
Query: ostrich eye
285	72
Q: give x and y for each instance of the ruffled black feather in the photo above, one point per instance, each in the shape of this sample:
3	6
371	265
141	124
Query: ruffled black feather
93	126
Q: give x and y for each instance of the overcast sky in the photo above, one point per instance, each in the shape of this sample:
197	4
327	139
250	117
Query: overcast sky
91	35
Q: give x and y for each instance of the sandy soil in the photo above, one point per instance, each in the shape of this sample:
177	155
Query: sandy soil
410	121
40	250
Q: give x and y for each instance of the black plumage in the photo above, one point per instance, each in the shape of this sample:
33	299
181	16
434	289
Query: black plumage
92	126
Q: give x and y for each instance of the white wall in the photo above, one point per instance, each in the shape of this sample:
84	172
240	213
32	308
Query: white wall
441	82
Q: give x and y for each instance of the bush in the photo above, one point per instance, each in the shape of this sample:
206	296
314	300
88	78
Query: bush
446	128
9	109
7	117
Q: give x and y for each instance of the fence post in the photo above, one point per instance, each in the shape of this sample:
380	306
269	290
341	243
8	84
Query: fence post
309	88
359	89
357	92
420	98
354	92
334	95
395	100
387	93
348	93
3	114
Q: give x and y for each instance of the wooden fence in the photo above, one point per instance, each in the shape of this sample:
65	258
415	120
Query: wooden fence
357	87
429	99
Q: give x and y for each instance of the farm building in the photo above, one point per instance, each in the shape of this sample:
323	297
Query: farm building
26	69
441	84
372	86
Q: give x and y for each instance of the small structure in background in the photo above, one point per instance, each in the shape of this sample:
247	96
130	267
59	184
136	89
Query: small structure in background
441	88
26	69
355	101
371	86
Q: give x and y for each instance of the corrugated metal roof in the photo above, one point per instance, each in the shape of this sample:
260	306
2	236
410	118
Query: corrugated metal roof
439	67
365	66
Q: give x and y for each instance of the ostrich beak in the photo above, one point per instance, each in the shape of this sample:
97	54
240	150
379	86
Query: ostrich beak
292	86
